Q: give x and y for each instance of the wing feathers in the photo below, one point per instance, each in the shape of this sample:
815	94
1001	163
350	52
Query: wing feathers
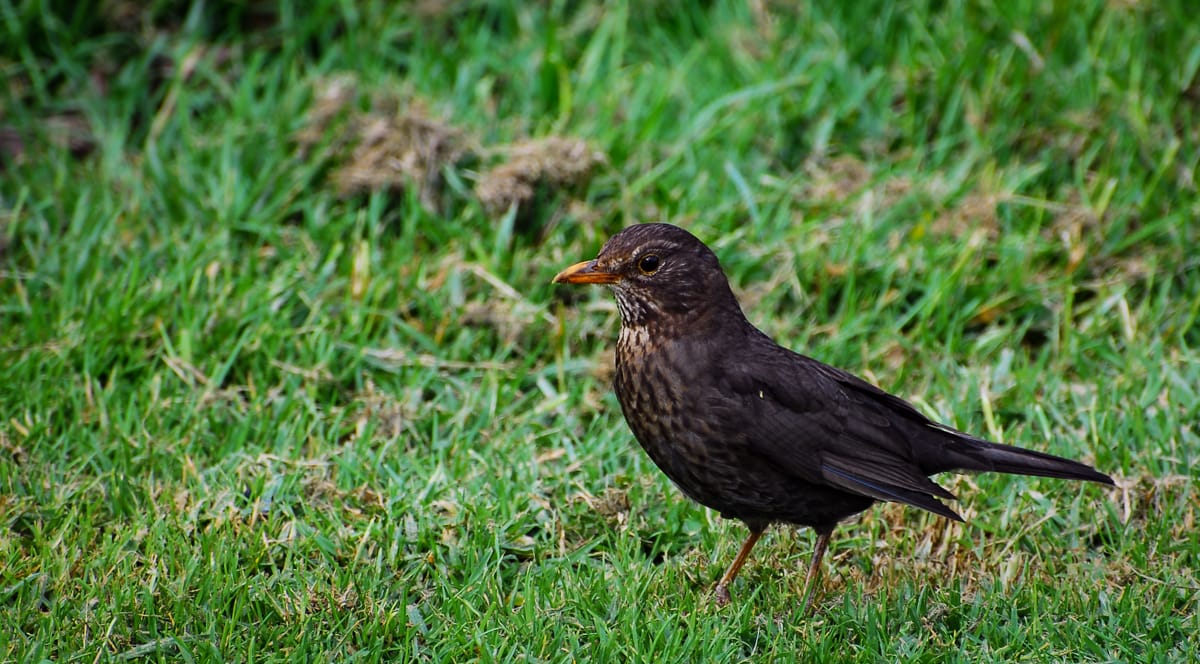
856	484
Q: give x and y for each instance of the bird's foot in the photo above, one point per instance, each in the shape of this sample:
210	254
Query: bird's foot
721	594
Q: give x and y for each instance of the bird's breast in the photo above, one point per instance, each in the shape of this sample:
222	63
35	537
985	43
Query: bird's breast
647	382
660	386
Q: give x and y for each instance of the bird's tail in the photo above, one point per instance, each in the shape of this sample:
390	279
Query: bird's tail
976	454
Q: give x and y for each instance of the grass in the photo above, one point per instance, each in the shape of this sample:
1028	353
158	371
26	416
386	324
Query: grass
245	415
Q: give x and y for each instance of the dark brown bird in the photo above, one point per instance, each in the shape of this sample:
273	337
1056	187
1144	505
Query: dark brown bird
758	432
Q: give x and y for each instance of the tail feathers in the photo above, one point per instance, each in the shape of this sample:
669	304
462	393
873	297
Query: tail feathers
982	455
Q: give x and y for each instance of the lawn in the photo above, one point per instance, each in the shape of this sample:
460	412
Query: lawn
283	376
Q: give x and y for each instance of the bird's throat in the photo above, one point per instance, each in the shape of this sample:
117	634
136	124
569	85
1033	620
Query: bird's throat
637	338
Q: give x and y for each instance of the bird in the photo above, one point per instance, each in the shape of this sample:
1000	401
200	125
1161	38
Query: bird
758	432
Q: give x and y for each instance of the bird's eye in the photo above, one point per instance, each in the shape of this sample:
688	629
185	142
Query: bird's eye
649	263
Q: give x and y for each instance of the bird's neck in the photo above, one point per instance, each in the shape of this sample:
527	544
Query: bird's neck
652	329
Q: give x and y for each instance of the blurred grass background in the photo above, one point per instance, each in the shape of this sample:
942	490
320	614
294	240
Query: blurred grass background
282	376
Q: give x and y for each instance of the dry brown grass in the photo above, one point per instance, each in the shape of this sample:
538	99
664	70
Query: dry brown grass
536	167
395	146
399	145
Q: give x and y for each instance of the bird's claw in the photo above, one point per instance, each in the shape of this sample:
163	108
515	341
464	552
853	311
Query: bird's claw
721	594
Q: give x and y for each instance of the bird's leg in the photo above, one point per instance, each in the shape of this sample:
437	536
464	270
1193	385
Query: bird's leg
814	569
722	591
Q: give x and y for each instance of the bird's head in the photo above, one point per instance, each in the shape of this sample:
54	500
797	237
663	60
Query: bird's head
657	271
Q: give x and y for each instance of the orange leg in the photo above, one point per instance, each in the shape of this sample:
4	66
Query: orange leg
814	570
722	591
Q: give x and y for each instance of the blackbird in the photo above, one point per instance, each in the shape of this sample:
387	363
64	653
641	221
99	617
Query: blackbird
756	431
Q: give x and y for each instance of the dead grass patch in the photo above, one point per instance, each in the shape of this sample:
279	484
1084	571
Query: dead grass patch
320	489
536	168
393	147
390	416
836	179
70	132
972	218
613	505
17	454
399	145
393	152
1145	498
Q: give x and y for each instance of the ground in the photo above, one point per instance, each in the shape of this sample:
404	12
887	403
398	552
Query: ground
283	376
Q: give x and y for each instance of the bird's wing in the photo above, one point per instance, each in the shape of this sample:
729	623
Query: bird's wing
827	426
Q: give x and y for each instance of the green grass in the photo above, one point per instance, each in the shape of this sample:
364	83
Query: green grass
243	417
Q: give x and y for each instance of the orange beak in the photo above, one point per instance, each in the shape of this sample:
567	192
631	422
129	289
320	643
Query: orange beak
585	273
